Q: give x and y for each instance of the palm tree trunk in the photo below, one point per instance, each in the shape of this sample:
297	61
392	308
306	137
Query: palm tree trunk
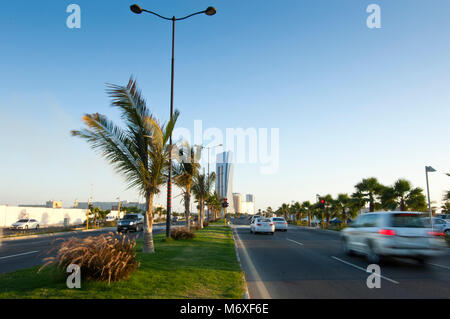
309	218
187	204
147	242
201	214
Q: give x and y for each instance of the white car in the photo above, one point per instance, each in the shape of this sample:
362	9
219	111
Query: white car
262	225
252	218
396	234
439	225
25	223
280	223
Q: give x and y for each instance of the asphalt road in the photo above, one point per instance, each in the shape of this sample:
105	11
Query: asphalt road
307	263
26	253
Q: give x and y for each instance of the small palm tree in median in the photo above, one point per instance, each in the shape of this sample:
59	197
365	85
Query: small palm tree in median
202	190
184	174
139	151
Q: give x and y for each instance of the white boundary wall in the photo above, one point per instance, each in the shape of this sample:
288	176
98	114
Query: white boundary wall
45	216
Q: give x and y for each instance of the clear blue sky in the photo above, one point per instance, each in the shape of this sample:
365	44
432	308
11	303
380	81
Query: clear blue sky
350	102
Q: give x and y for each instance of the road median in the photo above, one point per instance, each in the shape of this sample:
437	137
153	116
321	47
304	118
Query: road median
200	268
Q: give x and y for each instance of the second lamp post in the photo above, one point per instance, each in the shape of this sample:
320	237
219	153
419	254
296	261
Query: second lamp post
138	10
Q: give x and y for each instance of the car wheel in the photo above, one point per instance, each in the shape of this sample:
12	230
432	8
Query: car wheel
422	260
447	232
372	256
272	233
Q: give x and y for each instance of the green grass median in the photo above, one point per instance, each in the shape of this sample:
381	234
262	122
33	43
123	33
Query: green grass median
199	268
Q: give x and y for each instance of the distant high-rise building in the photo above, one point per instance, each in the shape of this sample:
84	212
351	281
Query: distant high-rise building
246	206
237	202
224	178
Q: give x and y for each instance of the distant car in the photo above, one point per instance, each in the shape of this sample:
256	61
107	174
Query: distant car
174	219
252	218
131	222
262	225
443	216
280	223
439	224
396	234
25	223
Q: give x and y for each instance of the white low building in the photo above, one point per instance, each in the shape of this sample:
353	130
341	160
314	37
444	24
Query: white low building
44	215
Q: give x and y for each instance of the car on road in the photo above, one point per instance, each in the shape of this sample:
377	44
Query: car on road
252	218
392	234
174	219
131	222
25	223
280	223
262	225
439	224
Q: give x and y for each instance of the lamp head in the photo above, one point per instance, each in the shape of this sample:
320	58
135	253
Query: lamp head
211	11
136	9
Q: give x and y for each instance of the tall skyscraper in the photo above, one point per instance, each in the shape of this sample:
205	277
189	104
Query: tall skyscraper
224	178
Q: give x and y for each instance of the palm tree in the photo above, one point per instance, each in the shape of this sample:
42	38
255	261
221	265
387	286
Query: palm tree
284	210
370	188
139	151
296	210
215	204
343	202
184	173
447	194
202	190
307	207
402	195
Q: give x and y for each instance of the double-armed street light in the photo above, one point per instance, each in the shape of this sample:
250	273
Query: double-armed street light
210	11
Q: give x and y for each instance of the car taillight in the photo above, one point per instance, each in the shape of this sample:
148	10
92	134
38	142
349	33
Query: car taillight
258	224
434	233
386	232
271	224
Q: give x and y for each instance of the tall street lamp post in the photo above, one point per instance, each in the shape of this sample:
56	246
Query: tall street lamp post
427	170
210	11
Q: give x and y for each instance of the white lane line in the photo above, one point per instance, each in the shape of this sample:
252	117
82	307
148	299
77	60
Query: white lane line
252	269
436	265
360	268
28	253
295	241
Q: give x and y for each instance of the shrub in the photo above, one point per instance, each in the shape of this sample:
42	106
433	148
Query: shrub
181	233
106	257
205	224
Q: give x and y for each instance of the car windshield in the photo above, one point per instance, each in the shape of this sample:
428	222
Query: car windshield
22	221
130	217
263	220
408	221
278	219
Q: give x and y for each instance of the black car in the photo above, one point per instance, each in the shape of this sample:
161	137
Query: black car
131	222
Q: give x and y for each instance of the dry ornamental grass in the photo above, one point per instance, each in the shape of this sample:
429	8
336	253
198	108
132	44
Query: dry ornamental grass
181	233
106	257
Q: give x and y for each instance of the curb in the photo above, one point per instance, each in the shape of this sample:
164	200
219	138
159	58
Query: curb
246	293
60	234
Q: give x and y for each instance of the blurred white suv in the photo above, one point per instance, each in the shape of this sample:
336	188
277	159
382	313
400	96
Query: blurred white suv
396	234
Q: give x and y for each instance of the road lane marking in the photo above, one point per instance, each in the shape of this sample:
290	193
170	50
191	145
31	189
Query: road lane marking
360	268
295	241
28	253
258	281
436	265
